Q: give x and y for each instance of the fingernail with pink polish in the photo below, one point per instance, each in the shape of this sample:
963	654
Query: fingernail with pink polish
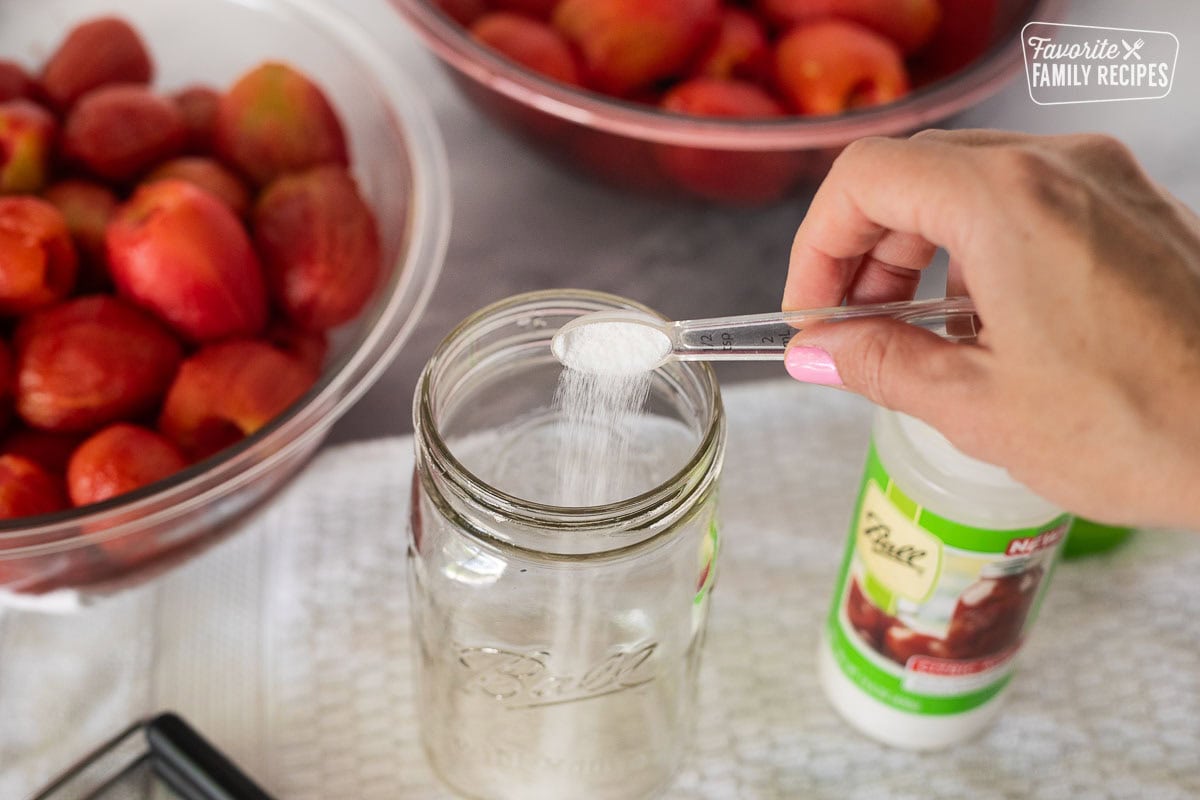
812	365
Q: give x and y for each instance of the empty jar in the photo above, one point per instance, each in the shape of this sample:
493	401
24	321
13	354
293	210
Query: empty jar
557	647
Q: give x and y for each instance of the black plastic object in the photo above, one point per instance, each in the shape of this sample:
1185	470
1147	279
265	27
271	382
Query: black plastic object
163	750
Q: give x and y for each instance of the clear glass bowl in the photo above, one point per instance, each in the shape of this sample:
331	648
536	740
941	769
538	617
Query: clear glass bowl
639	147
57	560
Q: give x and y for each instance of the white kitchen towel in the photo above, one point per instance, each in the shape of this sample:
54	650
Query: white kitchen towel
288	645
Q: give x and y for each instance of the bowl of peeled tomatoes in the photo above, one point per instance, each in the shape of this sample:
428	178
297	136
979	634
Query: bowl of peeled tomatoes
213	238
722	100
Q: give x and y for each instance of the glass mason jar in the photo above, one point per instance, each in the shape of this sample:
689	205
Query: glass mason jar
557	647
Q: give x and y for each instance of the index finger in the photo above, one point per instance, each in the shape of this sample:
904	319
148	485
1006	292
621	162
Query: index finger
920	189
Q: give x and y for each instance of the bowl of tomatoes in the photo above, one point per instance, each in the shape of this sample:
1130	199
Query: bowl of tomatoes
733	102
213	239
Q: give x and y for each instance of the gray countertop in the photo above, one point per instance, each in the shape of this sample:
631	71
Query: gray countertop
522	224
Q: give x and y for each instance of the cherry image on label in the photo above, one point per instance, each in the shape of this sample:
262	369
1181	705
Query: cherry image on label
988	619
991	613
901	643
868	619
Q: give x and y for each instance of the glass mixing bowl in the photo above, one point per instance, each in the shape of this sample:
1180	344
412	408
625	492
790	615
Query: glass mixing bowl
57	560
640	147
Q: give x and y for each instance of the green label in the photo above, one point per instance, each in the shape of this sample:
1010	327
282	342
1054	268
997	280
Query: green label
929	613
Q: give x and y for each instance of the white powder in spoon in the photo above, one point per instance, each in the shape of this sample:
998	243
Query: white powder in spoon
609	364
612	347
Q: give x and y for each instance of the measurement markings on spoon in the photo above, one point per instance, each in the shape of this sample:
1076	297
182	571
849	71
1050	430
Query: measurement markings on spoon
709	340
781	337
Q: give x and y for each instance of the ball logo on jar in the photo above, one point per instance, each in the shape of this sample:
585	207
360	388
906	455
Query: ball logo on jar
523	680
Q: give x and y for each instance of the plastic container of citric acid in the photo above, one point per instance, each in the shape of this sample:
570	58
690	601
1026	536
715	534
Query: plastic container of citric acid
947	563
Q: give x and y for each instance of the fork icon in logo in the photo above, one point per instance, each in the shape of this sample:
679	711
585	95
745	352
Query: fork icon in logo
1132	49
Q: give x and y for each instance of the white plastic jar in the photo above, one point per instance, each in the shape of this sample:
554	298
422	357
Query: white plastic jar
947	563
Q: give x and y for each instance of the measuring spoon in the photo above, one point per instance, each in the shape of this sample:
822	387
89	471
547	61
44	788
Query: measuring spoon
628	342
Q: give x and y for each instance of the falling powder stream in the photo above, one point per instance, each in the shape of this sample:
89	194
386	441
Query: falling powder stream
599	412
599	402
599	399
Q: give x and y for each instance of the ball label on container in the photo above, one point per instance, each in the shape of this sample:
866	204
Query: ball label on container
929	613
902	558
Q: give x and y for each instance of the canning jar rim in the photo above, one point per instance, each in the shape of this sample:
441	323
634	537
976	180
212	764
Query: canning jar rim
638	513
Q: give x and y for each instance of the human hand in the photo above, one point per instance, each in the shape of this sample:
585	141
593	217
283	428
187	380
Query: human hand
1085	379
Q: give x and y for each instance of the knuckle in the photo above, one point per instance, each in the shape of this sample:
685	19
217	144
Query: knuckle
857	150
876	368
981	412
1108	161
903	372
1038	177
1022	165
930	134
1105	149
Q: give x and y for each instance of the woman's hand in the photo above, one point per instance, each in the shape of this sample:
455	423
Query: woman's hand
1085	381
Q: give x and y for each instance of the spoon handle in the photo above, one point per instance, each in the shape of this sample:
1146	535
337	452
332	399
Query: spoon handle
764	337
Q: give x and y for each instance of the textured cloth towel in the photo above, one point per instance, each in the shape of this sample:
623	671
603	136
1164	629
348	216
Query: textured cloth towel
289	646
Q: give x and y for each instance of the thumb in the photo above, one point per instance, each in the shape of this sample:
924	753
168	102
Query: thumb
891	363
